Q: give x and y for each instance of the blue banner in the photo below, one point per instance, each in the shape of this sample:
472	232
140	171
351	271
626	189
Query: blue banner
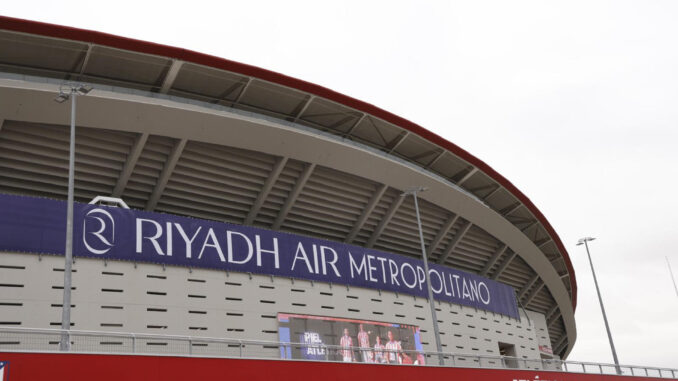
37	225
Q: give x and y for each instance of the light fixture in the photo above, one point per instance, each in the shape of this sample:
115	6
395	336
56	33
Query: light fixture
62	97
83	89
582	241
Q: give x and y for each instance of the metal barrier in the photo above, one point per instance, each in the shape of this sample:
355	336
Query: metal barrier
16	339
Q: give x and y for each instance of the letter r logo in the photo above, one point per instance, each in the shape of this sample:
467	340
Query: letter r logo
98	231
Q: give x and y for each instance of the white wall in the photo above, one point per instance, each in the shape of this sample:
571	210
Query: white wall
147	298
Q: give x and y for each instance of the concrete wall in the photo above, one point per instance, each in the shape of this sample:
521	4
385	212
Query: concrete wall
148	298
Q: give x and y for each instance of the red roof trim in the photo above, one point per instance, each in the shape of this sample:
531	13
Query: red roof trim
124	43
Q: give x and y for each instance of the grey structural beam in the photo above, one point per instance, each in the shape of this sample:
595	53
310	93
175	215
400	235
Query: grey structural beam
482	188
398	141
355	125
494	192
554	318
371	204
455	241
266	189
292	197
559	344
441	233
245	86
385	220
435	160
533	293
528	285
85	60
167	170
543	242
511	209
130	163
467	176
303	108
497	254
531	224
551	311
503	266
171	76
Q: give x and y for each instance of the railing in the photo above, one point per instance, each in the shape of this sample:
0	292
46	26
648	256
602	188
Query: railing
47	340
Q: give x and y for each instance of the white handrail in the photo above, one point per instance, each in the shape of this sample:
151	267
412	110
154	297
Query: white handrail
502	361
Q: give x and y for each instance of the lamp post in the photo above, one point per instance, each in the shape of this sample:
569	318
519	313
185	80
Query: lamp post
431	302
584	241
672	278
69	91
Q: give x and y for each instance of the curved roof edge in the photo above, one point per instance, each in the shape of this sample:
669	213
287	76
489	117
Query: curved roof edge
125	43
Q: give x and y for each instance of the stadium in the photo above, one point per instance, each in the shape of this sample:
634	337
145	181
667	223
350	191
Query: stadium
256	207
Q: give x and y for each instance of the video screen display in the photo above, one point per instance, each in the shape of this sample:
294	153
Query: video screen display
349	340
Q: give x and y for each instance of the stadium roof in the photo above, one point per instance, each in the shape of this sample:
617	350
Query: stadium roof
65	53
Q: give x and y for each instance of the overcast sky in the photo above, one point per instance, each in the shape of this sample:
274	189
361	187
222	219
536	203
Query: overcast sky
575	102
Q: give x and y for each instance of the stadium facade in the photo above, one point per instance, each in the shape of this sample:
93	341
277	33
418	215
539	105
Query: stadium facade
261	205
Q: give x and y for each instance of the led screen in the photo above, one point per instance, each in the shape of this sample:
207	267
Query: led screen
349	340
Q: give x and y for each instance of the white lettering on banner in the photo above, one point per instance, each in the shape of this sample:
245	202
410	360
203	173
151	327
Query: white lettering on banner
335	258
474	290
464	291
414	275
188	241
315	258
422	277
168	240
231	254
153	239
383	269
353	265
393	266
275	253
214	244
242	248
304	257
440	280
447	292
456	282
485	300
370	268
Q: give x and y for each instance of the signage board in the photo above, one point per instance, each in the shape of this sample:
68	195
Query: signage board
37	225
349	340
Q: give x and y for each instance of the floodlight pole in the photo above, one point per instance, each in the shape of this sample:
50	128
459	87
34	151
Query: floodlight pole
65	344
431	301
69	91
600	299
672	278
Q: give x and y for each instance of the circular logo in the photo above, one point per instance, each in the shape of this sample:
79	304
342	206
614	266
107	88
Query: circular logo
98	231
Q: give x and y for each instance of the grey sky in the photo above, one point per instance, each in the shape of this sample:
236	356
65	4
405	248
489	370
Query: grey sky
572	101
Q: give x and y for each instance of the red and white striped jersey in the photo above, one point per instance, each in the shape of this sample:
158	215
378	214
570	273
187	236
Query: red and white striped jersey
345	342
394	347
363	339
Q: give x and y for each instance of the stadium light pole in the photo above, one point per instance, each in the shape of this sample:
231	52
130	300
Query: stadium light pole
672	278
431	302
69	91
584	241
